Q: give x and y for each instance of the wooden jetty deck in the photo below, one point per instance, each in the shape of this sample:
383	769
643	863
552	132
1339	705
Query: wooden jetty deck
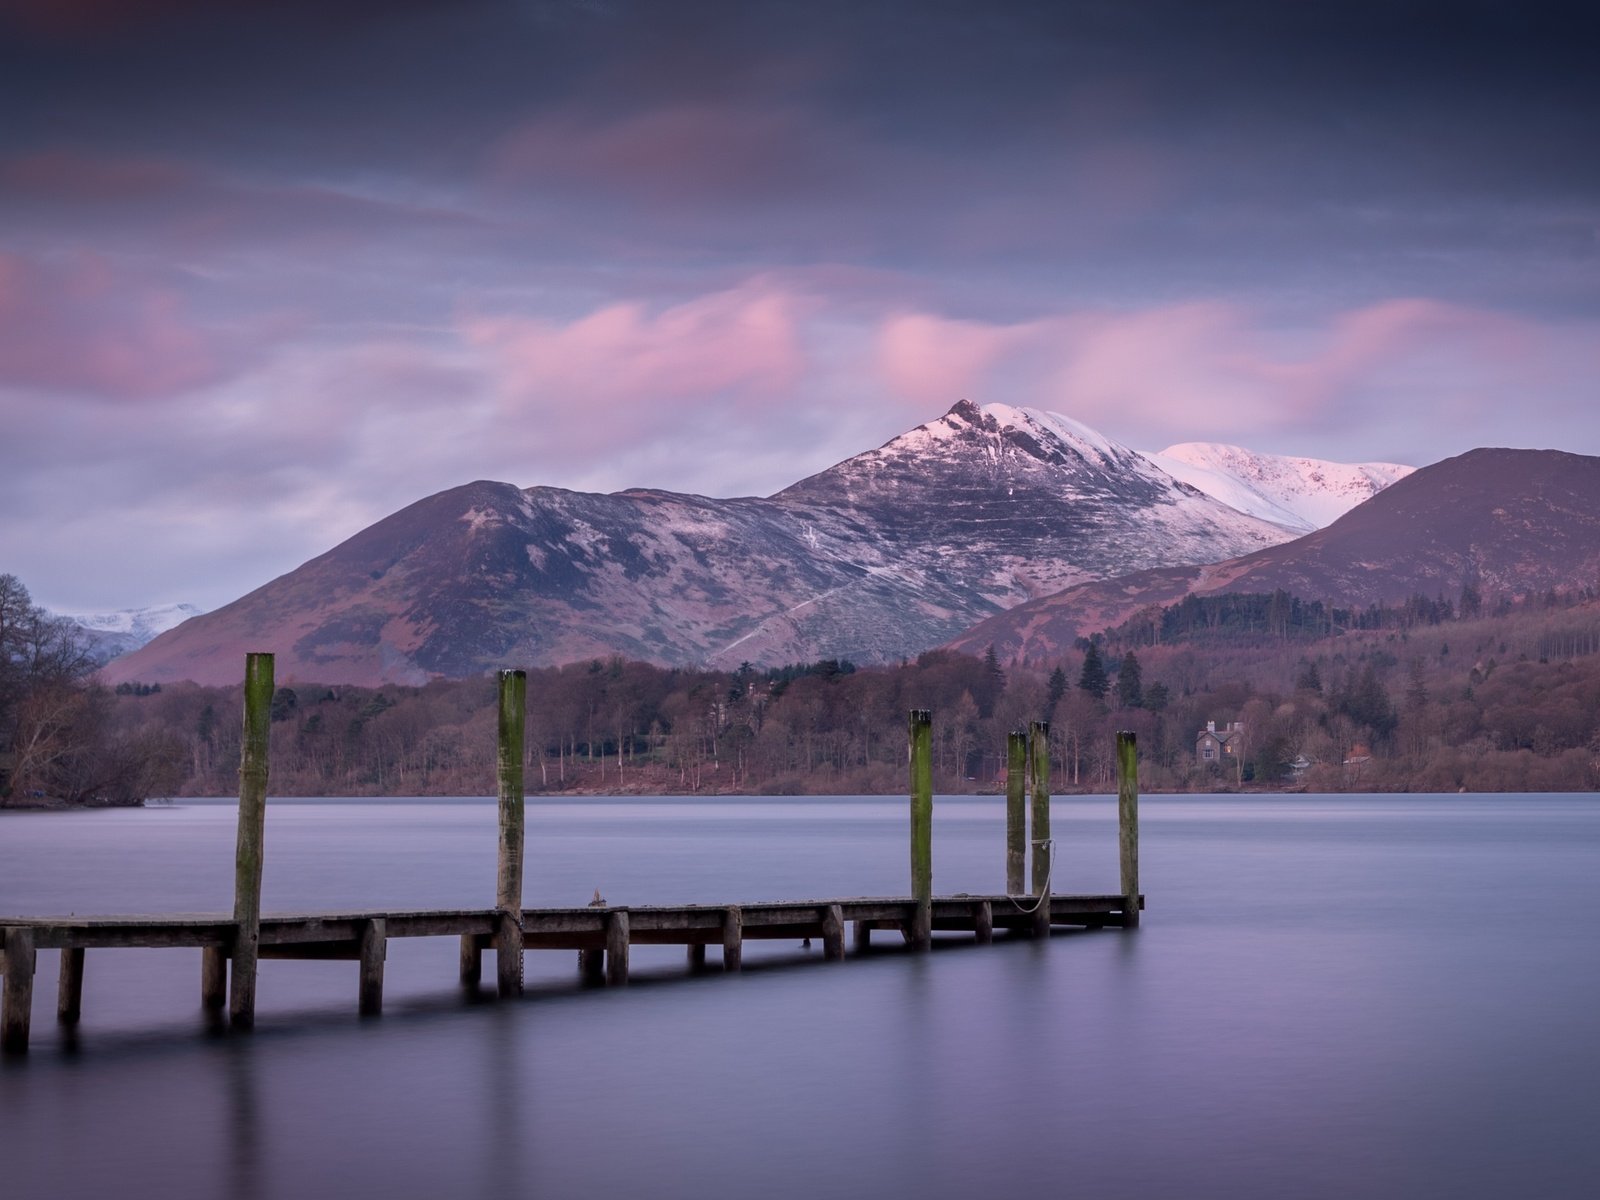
231	945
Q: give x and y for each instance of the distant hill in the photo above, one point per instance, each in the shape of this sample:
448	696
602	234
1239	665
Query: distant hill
107	635
1501	521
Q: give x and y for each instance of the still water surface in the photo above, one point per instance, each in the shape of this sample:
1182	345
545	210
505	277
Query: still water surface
1330	997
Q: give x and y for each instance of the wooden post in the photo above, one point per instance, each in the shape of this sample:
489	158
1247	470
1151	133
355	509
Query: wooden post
1016	812
1039	736
920	731
983	922
617	948
732	939
471	962
697	956
374	949
1128	825
69	990
592	965
252	832
508	892
16	1004
863	936
833	933
213	978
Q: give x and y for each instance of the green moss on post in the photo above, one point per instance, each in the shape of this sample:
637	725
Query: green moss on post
1128	825
1016	812
1039	739
921	753
258	688
508	889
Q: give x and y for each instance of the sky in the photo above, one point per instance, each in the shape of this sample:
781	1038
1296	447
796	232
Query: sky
272	269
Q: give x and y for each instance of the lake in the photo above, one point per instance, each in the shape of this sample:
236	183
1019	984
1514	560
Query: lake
1329	997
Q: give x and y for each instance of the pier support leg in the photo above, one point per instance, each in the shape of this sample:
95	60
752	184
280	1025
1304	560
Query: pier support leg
1016	812
697	956
592	966
983	922
920	732
252	830
833	934
508	886
617	948
508	954
1043	848
862	936
1128	825
69	988
374	949
16	1004
471	962
732	940
213	978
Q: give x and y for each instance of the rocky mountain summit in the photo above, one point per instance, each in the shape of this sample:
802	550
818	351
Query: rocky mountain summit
878	557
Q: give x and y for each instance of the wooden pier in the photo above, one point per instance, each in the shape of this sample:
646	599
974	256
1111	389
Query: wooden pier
232	946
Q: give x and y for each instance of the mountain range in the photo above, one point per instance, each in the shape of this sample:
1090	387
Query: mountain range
110	634
881	556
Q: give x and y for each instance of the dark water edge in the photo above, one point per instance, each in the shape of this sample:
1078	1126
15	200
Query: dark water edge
1331	996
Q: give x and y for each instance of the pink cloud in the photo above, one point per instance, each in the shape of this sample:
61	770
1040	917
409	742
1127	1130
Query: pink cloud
84	324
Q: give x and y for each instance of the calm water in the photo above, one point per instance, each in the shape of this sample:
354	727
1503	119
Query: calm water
1331	997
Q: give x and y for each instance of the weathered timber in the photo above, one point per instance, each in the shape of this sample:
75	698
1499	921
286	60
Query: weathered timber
617	948
833	934
863	936
374	948
470	964
16	1001
920	737
258	673
1016	811
1128	823
1043	849
69	986
983	921
697	956
508	889
213	978
732	939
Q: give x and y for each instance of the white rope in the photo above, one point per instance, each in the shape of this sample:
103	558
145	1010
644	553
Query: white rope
1049	874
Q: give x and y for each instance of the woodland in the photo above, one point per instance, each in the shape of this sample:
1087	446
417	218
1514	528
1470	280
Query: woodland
1467	694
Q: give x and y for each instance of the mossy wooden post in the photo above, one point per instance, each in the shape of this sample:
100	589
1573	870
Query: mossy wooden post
1039	737
508	892
1016	812
69	988
921	752
1128	825
252	832
16	1006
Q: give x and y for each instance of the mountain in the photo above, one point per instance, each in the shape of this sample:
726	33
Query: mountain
1502	521
878	557
1301	494
109	634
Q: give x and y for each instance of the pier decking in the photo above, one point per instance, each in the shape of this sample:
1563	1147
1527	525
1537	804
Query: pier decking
232	945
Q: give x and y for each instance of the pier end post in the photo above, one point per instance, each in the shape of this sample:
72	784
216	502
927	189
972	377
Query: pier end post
508	889
1016	812
920	736
258	687
1128	825
1039	773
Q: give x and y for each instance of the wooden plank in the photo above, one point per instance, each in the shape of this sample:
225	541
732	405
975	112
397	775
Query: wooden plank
213	978
617	948
16	1000
732	939
69	986
374	949
332	951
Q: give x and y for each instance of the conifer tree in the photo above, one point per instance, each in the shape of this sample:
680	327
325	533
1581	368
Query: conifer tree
1092	678
1130	682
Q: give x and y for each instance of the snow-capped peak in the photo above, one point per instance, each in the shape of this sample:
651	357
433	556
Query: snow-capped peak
1059	427
1302	494
142	623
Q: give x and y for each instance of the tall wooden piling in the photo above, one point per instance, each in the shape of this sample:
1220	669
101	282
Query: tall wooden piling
1039	774
921	755
1128	825
69	986
508	891
1016	812
16	1003
252	832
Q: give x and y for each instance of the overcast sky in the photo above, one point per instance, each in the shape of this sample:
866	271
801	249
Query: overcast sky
269	271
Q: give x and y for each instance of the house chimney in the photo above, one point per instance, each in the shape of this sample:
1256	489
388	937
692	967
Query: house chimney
1211	726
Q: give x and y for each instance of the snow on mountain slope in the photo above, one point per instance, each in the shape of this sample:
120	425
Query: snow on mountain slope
113	633
1301	494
